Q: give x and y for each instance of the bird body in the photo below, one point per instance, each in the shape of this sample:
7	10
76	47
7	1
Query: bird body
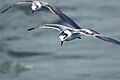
68	35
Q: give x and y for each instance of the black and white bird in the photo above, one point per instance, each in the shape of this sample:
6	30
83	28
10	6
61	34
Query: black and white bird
68	34
36	5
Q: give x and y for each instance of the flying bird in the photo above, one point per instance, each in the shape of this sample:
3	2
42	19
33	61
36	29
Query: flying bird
68	34
36	5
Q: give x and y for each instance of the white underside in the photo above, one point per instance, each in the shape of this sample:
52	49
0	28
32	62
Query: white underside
72	37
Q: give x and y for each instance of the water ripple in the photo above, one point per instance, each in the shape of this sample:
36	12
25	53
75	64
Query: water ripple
75	57
27	54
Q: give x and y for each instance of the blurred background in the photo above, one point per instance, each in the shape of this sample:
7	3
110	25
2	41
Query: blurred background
37	55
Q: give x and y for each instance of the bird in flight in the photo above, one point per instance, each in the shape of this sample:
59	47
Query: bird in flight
36	5
68	34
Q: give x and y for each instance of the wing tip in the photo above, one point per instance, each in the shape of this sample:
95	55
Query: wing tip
109	40
3	11
30	29
7	8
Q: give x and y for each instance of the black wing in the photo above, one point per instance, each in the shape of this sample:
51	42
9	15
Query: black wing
109	40
57	11
7	8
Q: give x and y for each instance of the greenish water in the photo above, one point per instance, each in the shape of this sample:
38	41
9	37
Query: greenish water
40	50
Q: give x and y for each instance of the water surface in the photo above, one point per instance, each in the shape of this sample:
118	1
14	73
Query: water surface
85	59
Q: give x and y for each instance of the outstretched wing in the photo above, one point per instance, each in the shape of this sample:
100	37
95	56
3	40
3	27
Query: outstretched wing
90	32
58	12
87	32
108	39
18	3
53	26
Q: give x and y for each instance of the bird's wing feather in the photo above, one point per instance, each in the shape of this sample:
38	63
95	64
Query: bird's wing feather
18	3
53	26
88	32
58	12
7	8
93	33
108	39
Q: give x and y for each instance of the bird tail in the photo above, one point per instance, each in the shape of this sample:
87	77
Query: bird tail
108	39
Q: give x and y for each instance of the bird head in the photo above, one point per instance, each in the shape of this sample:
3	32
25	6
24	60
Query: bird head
64	35
36	5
